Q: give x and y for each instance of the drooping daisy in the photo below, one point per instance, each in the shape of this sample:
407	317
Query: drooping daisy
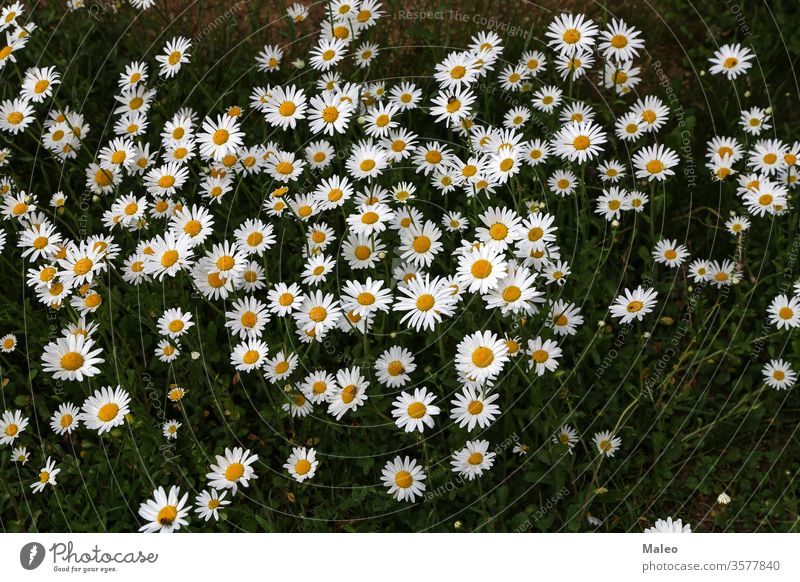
232	471
404	479
20	455
165	512
47	476
105	409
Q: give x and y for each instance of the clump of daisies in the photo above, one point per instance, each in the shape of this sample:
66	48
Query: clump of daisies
397	219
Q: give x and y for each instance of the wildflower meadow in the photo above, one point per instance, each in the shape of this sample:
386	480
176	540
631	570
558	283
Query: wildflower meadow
384	266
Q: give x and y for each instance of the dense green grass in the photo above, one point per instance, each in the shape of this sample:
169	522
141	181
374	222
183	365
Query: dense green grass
683	389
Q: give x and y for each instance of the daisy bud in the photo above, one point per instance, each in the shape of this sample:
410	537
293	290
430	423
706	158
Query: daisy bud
457	525
646	335
195	355
298	64
747	93
95	198
702	73
724	499
361	120
666	320
769	110
601	323
614	223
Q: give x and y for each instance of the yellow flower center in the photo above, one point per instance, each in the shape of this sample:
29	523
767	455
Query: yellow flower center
221	136
287	108
330	114
482	357
234	471
481	269
475	458
403	479
425	302
540	356
581	142
302	467
635	306
416	410
108	412
571	36
475	407
71	361
369	217
317	314
511	294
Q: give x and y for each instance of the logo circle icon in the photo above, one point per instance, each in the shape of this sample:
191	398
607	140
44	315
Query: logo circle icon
31	555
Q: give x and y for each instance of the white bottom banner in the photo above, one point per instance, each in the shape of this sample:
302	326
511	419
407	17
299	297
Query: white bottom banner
356	557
